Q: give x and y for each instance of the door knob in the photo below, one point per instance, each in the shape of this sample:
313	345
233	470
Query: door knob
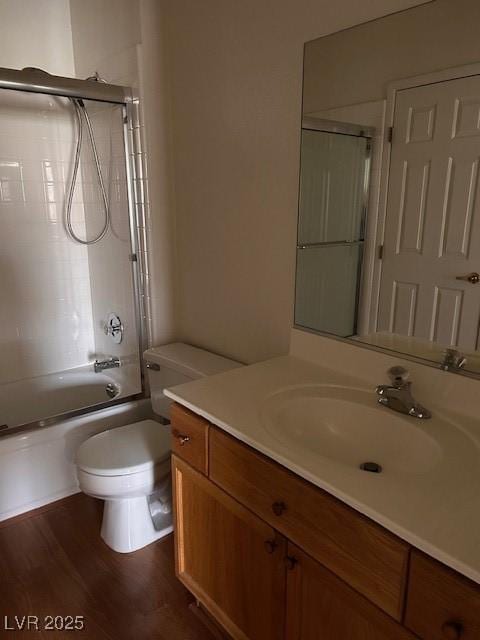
270	546
473	277
182	439
291	562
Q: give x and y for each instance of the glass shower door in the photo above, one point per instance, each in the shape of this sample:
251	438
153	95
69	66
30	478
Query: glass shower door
57	293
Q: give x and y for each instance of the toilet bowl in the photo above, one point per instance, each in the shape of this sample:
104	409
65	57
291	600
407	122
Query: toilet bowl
129	467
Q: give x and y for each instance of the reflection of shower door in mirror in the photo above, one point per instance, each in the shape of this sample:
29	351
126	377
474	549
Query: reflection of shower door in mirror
432	232
333	184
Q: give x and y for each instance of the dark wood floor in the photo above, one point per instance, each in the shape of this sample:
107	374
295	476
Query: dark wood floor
53	562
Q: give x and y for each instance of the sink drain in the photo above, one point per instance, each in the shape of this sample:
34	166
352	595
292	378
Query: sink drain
373	467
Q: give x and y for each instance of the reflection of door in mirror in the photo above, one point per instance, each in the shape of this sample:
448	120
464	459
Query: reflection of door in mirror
414	78
333	191
432	231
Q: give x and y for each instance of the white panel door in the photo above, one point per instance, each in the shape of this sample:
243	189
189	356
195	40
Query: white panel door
432	232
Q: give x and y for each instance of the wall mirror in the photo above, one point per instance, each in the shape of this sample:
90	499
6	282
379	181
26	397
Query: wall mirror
388	247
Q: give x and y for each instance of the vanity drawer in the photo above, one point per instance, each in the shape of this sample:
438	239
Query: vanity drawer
190	437
369	558
441	604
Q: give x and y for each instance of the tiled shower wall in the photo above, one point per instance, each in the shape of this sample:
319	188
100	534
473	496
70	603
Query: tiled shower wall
45	299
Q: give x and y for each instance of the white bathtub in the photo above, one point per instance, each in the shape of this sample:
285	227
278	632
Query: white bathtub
38	466
52	395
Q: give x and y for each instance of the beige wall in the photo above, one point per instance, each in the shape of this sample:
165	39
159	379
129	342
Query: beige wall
236	70
356	65
36	33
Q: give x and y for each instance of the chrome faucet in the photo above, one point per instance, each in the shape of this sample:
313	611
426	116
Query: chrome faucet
398	395
110	363
453	360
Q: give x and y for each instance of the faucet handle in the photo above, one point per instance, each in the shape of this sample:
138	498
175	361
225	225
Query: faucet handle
399	376
453	360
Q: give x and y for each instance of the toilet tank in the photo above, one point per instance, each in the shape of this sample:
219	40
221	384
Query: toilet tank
176	363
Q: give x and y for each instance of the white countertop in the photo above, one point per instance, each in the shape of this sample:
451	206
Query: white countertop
437	511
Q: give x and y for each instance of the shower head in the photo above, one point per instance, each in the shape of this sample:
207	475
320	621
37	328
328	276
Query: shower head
96	78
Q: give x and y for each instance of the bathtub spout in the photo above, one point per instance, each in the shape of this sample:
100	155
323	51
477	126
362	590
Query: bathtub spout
109	363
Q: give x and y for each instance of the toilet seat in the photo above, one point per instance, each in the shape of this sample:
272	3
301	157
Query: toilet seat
127	485
132	449
124	467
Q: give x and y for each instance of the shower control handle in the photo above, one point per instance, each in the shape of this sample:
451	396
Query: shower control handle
113	327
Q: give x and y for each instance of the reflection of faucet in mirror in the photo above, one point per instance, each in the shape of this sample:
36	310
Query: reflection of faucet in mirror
453	360
398	395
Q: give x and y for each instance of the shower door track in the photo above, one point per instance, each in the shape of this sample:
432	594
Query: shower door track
6	431
38	81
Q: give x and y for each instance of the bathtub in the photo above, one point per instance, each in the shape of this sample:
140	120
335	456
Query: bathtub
38	466
52	395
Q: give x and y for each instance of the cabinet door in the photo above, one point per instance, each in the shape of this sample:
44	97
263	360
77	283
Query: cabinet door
441	603
320	605
228	558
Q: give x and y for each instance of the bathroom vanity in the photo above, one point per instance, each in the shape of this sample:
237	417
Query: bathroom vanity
279	540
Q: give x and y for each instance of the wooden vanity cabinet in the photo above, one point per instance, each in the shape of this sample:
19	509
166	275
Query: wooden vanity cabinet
366	556
231	560
320	605
273	557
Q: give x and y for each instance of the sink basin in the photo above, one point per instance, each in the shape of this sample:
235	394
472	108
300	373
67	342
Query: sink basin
349	427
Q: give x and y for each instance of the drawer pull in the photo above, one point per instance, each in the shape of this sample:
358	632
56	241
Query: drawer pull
278	508
182	439
452	630
270	546
290	562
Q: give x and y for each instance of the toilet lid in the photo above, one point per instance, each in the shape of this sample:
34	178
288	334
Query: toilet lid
129	449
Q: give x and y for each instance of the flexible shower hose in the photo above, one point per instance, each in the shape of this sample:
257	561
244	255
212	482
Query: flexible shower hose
79	109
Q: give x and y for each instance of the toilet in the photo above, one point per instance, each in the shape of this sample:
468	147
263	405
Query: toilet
129	467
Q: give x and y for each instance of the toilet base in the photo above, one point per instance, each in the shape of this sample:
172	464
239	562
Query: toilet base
127	524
